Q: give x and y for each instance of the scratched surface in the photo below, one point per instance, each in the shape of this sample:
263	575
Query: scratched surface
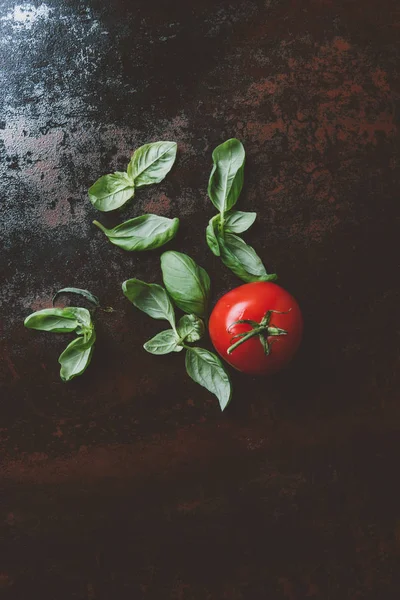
128	483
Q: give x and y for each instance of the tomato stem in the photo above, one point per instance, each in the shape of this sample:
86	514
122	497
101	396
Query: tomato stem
263	330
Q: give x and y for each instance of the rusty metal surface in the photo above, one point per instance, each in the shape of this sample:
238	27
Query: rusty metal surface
128	482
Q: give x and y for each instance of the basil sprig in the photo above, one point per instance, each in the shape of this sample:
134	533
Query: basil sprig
189	286
149	164
146	232
76	357
224	187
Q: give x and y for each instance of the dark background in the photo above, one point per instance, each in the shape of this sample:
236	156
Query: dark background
129	483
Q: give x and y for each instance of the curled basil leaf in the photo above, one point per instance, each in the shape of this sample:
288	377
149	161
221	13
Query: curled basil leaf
77	356
163	343
151	163
142	233
151	298
212	235
237	221
72	290
57	320
186	282
205	368
226	179
242	259
111	191
190	328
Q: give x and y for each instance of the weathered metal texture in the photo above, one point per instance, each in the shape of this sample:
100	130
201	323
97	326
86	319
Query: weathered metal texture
128	482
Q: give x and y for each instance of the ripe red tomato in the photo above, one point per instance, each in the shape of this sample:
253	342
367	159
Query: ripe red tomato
256	327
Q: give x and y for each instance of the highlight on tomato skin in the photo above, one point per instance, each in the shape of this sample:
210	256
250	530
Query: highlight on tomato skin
256	327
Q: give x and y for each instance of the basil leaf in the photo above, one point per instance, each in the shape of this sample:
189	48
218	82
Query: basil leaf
150	163
142	233
238	221
226	179
76	357
83	317
163	343
186	282
211	235
57	320
111	191
205	368
190	328
242	259
71	290
151	298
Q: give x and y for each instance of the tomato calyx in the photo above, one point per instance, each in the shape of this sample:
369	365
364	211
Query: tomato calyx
264	329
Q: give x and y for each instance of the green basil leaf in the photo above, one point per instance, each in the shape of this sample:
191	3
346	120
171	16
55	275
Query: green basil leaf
150	163
238	221
85	293
186	282
151	298
212	235
111	191
83	317
57	320
76	357
205	368
242	259
142	233
163	343
226	179
190	328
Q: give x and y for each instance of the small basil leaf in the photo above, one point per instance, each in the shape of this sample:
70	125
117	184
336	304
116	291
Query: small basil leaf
211	235
57	320
85	293
226	179
142	233
242	259
238	221
76	357
205	368
190	328
111	191
163	343
83	317
186	282
151	298
150	163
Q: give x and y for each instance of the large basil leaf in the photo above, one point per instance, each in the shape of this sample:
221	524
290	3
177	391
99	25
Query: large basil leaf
111	191
190	328
226	179
150	298
163	343
76	357
205	368
186	282
242	259
212	235
150	163
57	320
72	290
142	233
238	221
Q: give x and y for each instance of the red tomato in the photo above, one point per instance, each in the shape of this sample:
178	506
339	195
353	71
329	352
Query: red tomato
267	340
